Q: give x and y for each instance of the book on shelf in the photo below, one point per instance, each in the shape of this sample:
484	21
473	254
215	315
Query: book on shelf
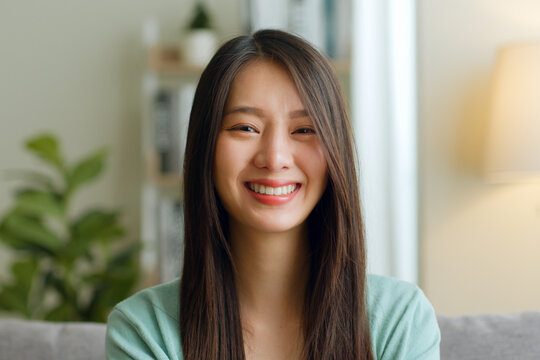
171	110
170	235
324	23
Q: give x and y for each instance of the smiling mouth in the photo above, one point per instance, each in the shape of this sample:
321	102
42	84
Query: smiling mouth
273	191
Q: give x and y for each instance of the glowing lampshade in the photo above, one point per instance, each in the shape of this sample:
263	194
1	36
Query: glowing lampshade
513	145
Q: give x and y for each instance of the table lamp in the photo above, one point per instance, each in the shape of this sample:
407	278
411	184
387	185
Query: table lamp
513	142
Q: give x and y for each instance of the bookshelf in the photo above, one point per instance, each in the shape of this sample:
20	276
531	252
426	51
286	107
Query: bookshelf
168	87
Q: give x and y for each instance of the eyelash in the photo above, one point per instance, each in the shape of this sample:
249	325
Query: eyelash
304	131
248	128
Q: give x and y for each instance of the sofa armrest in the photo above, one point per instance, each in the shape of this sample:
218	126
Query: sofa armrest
37	340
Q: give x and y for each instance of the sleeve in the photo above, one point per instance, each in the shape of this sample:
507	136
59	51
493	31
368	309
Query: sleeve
412	332
424	333
126	339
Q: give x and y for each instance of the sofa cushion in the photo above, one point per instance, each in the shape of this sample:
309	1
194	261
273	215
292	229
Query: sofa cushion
37	340
493	337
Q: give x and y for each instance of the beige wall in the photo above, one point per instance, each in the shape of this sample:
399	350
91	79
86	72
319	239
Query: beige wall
74	68
480	242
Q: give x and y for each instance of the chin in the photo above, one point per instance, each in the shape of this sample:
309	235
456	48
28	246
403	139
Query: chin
276	225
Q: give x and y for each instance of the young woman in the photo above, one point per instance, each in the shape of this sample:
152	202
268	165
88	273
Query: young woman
274	264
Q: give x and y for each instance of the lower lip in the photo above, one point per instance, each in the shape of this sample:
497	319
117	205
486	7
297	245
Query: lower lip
273	199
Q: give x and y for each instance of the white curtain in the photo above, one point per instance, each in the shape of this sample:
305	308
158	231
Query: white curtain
383	93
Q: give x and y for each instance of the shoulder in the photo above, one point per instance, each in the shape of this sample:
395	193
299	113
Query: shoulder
162	299
402	321
145	325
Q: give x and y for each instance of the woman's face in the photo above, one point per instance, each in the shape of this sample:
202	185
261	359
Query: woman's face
270	169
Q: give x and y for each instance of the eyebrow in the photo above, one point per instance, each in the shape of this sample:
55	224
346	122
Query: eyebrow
260	113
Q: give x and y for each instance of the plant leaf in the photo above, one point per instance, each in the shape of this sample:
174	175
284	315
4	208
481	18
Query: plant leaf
62	312
39	203
47	148
124	257
15	243
43	181
87	169
12	301
97	223
14	296
24	272
112	289
113	284
105	298
52	281
27	229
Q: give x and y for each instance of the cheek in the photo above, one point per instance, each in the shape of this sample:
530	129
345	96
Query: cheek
316	164
228	160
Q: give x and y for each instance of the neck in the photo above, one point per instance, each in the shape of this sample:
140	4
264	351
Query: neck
271	273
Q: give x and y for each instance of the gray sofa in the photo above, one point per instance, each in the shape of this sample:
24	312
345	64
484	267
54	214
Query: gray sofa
493	337
39	340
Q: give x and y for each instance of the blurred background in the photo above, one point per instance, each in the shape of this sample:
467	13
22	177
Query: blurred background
421	80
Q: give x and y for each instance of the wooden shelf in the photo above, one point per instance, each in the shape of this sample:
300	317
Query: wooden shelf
167	61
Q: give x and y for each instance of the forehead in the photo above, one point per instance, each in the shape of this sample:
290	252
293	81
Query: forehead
263	82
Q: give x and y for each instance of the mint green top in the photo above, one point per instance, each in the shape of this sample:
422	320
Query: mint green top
402	323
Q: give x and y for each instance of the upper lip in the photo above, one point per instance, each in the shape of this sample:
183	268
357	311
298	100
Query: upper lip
273	182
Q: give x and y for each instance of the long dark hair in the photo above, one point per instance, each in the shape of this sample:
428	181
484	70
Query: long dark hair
335	318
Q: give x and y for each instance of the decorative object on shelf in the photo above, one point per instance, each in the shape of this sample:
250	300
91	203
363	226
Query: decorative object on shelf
171	235
170	117
514	134
163	131
66	266
200	40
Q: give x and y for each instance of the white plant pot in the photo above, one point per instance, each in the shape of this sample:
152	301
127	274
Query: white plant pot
199	46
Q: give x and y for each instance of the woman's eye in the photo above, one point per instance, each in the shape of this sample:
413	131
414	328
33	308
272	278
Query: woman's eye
304	131
246	128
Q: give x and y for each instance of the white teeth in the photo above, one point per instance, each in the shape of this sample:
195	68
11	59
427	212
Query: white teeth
268	190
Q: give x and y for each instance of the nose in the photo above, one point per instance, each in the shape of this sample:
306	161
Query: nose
275	150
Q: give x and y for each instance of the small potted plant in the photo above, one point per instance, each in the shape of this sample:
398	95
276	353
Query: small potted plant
200	39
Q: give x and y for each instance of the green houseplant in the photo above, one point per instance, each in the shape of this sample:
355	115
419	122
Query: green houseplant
68	267
200	19
200	40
